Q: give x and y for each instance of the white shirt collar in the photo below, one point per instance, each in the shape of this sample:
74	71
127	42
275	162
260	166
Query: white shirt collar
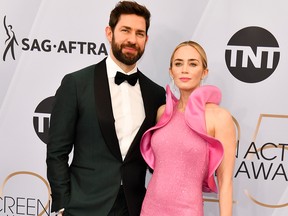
112	68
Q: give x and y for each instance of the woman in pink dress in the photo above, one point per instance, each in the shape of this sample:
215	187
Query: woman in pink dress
194	138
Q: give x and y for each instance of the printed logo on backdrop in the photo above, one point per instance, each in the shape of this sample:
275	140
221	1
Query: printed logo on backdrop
10	41
48	46
17	198
41	118
263	163
252	54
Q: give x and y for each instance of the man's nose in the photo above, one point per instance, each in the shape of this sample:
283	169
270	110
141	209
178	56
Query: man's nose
132	38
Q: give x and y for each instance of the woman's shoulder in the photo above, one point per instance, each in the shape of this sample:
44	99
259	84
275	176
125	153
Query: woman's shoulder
217	112
217	117
160	112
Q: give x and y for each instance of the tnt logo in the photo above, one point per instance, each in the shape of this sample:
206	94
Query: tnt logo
252	54
41	118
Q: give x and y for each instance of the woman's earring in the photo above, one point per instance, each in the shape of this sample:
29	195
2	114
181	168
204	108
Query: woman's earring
202	81
174	88
173	83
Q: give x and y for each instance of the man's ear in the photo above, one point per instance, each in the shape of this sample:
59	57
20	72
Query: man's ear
147	37
109	33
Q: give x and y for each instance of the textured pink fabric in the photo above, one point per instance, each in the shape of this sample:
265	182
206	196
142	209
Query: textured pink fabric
168	159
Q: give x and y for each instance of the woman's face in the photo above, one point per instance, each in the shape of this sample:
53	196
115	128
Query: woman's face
187	68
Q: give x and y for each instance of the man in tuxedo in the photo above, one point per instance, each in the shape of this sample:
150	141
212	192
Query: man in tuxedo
100	113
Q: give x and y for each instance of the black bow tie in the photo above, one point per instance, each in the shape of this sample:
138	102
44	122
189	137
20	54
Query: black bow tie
121	77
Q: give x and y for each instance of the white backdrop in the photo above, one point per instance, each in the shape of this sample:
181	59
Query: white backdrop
247	48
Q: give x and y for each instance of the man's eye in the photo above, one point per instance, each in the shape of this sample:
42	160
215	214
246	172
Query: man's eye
141	34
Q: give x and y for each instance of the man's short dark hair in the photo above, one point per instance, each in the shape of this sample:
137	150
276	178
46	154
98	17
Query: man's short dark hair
129	7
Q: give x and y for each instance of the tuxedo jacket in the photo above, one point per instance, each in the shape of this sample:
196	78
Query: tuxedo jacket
82	126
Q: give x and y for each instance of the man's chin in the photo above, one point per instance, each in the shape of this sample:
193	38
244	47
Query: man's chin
130	62
131	57
130	54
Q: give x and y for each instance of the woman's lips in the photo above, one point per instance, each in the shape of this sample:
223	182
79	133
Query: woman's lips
184	79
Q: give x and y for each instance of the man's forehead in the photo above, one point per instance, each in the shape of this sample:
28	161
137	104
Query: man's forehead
132	21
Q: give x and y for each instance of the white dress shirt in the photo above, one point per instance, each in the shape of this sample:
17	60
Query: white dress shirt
127	106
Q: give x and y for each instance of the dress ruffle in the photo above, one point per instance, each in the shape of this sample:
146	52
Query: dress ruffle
195	119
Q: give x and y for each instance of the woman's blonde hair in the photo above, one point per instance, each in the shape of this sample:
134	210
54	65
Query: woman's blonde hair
196	46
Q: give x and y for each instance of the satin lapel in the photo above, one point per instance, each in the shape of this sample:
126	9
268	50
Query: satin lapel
104	109
149	117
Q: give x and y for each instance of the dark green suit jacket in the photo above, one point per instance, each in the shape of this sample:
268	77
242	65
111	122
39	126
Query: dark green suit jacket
82	122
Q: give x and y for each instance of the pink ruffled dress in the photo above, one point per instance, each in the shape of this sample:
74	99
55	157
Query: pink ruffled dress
183	157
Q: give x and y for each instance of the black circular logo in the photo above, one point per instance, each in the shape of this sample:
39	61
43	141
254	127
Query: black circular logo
252	54
41	118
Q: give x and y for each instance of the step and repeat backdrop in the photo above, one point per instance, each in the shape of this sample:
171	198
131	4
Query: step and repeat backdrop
247	47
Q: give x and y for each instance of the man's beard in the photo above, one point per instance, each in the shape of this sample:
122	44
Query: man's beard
127	59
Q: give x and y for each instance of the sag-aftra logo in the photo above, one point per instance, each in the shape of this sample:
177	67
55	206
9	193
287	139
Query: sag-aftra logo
13	44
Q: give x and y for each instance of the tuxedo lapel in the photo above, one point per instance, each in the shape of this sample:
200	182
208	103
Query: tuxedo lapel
104	109
147	93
